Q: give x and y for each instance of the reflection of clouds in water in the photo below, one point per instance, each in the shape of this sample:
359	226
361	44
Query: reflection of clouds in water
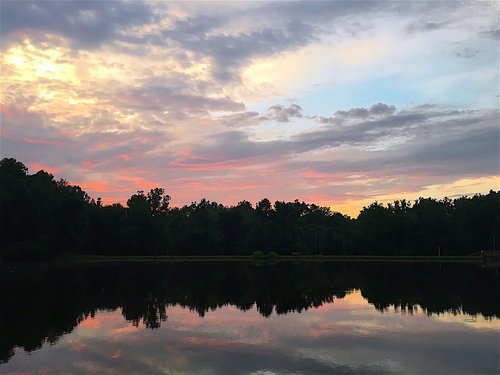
474	322
77	346
348	336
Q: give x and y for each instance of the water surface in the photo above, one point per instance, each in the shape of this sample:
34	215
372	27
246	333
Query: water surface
236	318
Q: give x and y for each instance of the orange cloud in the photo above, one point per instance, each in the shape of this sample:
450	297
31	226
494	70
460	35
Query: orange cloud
124	330
139	183
91	323
97	187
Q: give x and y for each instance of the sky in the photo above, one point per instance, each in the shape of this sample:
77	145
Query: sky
338	103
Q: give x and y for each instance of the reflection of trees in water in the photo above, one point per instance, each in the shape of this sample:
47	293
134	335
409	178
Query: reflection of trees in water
41	305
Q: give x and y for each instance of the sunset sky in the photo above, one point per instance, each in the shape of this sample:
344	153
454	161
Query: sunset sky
336	103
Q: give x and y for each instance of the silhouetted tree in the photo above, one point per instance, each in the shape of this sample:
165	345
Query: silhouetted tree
42	218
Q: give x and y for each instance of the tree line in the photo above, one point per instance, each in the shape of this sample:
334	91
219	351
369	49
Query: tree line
42	217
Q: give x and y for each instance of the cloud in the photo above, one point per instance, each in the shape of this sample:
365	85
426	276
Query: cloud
87	24
79	157
160	98
282	114
359	159
269	29
467	52
423	26
229	52
231	37
277	112
242	119
436	140
376	110
472	153
379	109
494	34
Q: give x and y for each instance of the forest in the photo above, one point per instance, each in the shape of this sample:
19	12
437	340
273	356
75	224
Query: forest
45	218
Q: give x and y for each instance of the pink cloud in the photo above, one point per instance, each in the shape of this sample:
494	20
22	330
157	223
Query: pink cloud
89	164
209	165
125	330
35	167
124	157
317	177
11	111
139	183
39	141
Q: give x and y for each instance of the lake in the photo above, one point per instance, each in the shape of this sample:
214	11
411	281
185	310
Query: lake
242	318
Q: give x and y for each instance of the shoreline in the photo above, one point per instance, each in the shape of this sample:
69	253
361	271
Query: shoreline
281	258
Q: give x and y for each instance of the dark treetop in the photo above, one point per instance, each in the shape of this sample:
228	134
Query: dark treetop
42	218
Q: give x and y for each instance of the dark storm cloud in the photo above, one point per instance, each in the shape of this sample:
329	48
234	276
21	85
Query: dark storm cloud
87	23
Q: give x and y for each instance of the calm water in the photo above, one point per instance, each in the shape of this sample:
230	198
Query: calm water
237	318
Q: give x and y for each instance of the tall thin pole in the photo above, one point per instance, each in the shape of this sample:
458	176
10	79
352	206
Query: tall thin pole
315	243
439	255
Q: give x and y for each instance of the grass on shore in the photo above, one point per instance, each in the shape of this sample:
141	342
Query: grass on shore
286	258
